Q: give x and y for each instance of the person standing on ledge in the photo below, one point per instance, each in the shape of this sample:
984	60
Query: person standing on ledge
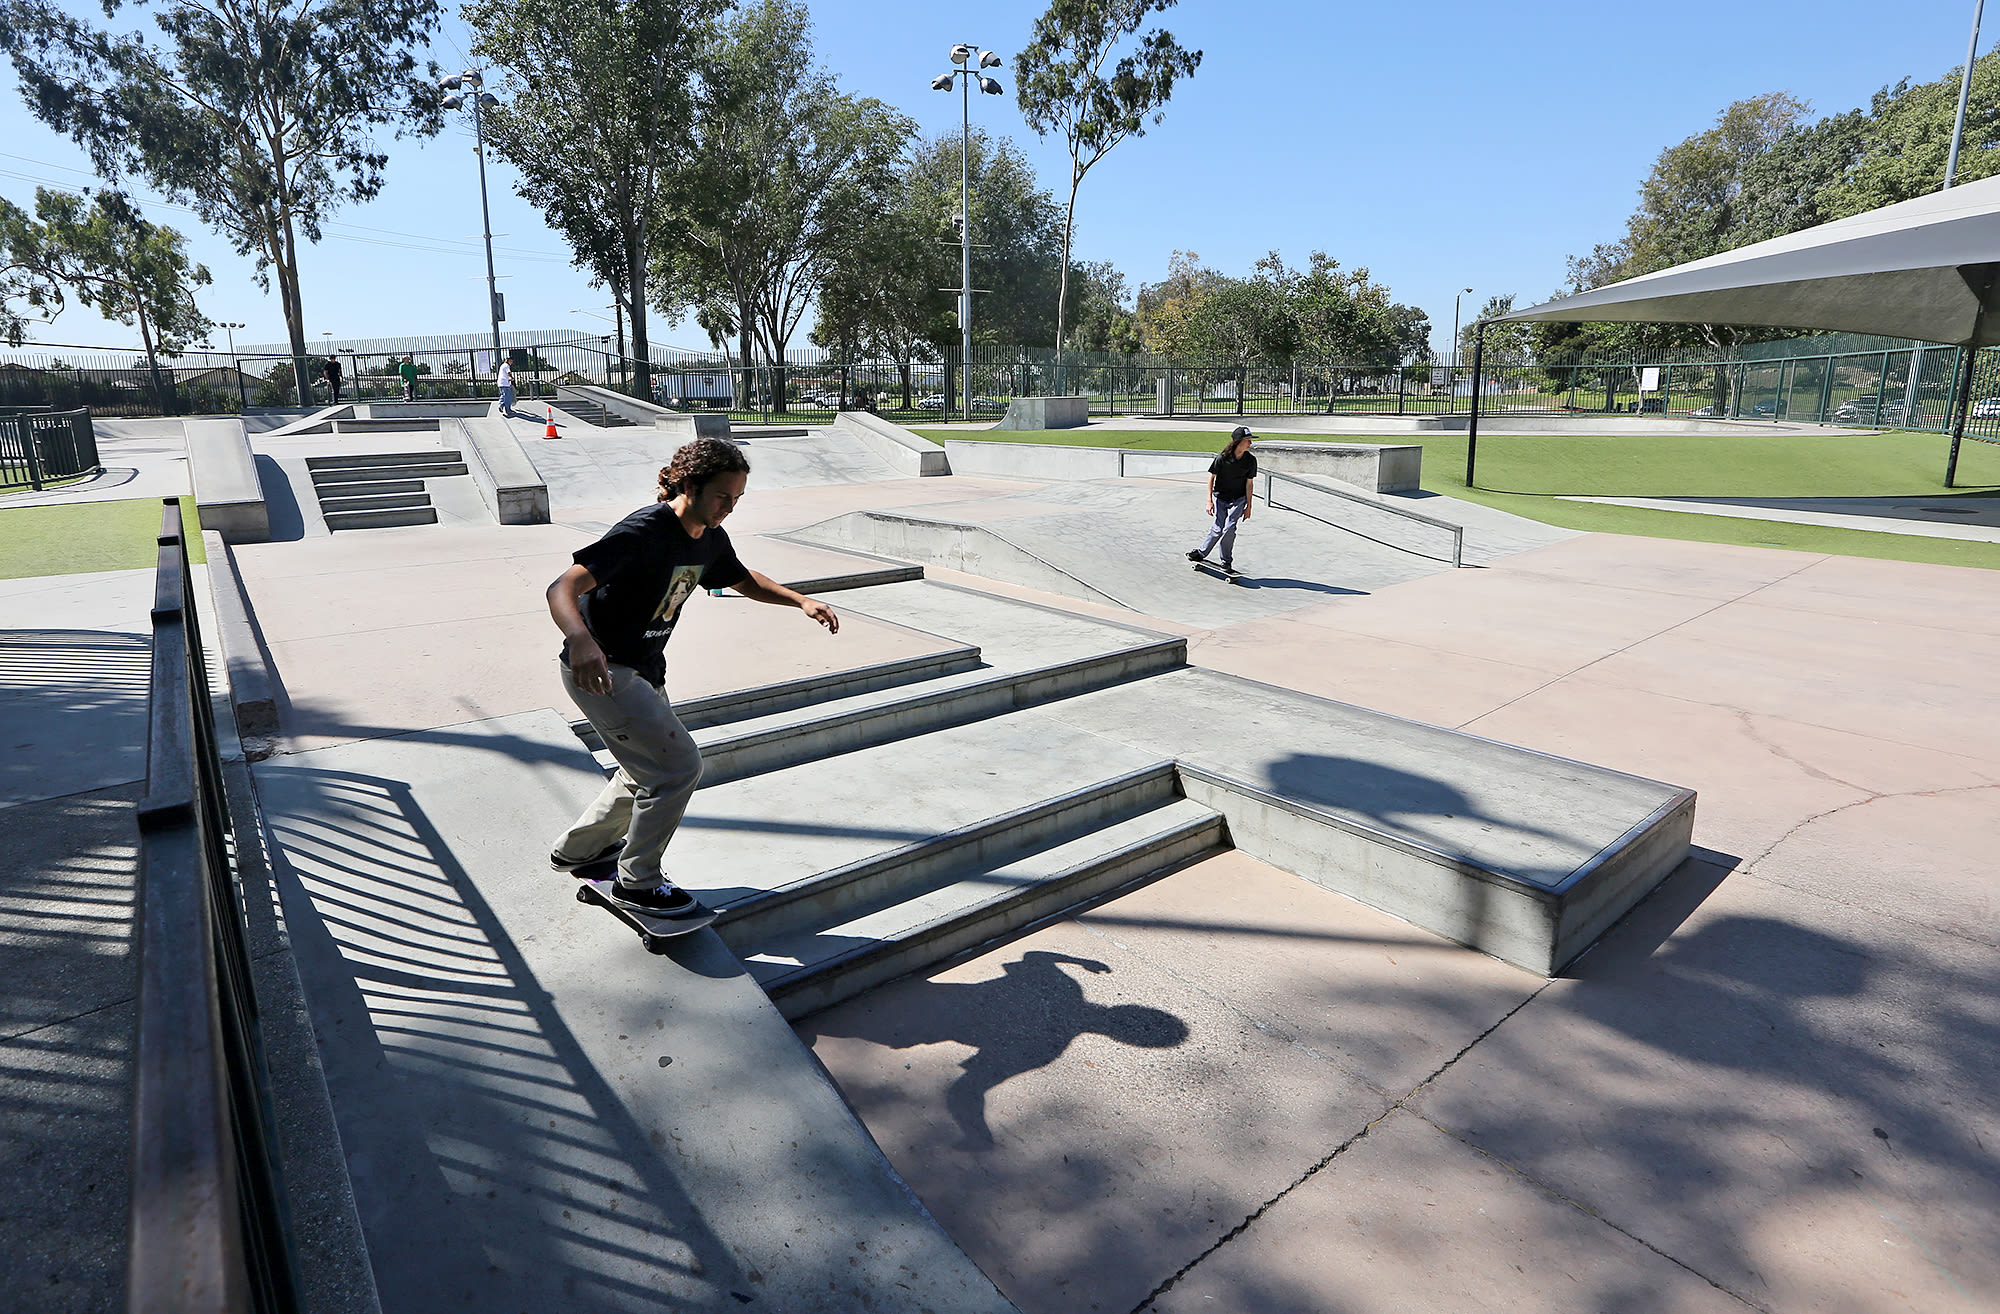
1230	476
616	607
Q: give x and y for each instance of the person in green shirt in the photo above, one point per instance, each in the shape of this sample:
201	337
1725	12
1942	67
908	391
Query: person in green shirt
408	369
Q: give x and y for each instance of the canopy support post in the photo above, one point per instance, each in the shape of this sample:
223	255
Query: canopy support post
1961	402
1472	428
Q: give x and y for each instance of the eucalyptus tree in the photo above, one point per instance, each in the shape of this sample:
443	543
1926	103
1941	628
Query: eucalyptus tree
258	114
1068	83
594	103
1016	230
787	165
110	258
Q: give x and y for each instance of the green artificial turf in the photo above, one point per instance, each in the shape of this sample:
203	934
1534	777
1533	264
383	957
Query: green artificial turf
85	537
1529	475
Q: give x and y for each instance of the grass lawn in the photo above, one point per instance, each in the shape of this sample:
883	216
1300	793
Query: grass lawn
85	537
1529	475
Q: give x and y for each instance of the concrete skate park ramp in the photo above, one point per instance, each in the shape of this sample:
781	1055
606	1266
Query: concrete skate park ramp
588	466
1125	542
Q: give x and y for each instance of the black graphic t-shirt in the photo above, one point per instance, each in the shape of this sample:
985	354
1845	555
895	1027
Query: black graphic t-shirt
646	567
1232	475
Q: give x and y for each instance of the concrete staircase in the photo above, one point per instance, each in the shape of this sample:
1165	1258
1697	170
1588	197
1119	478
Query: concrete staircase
874	822
994	860
380	489
591	413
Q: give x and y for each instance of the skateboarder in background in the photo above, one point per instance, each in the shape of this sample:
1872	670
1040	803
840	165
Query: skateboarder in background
1229	479
617	606
332	372
408	369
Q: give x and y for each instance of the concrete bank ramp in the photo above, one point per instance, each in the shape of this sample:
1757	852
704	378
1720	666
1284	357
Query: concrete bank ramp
537	1113
599	467
1125	541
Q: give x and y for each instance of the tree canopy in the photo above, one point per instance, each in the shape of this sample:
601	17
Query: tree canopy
1067	84
260	115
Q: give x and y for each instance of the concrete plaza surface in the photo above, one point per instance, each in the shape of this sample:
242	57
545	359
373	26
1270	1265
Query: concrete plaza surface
1771	1087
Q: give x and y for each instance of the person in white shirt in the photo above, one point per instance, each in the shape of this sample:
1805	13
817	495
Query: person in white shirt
507	387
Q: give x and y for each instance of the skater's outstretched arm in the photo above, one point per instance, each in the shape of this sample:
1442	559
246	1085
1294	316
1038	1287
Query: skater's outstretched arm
762	588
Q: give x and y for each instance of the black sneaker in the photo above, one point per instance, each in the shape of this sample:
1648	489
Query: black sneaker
1196	556
560	863
1229	568
663	900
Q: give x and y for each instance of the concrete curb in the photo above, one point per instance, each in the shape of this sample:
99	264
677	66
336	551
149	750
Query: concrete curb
249	676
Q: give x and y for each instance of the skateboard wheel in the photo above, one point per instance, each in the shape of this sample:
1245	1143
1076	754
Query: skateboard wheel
583	894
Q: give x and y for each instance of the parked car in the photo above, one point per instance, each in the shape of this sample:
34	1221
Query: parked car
931	403
1709	412
1986	408
988	404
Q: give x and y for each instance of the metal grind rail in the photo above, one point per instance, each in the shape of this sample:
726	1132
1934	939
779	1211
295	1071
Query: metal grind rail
210	1230
1457	532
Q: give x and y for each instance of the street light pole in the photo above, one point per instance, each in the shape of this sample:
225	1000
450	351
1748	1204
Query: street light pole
1454	324
1964	93
962	55
479	100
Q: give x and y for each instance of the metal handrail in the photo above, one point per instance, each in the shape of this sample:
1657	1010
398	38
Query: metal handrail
209	1225
1457	531
37	446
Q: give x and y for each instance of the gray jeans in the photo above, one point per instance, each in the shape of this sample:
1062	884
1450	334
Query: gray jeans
1227	516
658	769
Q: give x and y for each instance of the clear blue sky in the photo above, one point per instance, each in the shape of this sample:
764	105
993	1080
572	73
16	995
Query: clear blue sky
1443	146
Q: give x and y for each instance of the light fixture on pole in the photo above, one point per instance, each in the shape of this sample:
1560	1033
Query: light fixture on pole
230	326
471	81
1454	323
970	59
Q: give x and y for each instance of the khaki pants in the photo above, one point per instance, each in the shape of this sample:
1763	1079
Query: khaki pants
658	769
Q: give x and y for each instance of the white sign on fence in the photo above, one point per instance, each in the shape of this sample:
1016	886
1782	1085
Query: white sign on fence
1649	379
482	363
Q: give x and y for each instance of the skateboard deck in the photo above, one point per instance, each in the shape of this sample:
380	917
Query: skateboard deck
1211	569
654	932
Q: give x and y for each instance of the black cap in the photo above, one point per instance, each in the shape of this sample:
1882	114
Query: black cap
1241	431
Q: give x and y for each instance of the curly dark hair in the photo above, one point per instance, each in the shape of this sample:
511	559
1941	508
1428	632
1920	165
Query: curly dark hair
697	463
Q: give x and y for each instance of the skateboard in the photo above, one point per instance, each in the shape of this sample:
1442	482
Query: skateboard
1210	568
654	932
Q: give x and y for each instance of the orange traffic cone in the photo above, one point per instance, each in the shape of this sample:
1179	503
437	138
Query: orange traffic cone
550	431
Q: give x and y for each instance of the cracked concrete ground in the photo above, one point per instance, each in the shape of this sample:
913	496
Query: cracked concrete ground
1772	1086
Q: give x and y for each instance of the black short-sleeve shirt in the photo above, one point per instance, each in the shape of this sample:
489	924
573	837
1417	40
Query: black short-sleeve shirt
646	568
1232	475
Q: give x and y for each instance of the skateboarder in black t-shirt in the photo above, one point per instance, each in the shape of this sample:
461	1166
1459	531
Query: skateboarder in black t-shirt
616	608
1229	477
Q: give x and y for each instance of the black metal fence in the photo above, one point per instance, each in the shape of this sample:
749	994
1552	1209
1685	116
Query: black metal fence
209	1226
38	447
1831	379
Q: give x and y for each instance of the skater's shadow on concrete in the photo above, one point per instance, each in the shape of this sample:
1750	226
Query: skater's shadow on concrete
1296	585
1015	1023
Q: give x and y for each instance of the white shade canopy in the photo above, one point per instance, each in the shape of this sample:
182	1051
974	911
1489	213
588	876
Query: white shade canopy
1923	269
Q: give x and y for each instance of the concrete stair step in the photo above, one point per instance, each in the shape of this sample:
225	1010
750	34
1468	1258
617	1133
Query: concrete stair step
812	970
374	501
868	884
363	474
770	699
365	488
421	515
769	743
351	460
390	425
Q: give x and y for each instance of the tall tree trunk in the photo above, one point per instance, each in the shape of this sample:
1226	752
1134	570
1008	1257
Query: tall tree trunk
748	400
1062	279
635	314
292	303
162	390
1242	377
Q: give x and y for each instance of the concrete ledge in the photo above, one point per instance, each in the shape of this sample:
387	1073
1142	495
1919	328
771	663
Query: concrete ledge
1377	467
508	482
686	427
227	491
434	408
1046	413
250	684
1537	927
895	444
